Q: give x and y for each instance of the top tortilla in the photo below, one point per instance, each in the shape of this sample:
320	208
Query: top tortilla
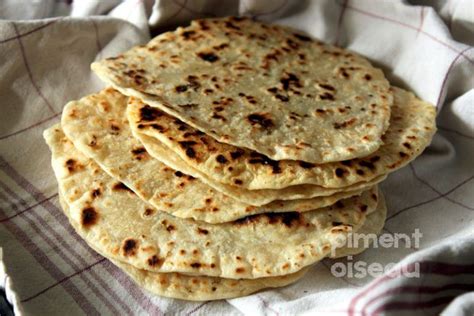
262	87
412	126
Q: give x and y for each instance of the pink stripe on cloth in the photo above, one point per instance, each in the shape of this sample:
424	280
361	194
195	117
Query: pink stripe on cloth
30	127
432	267
28	70
417	290
29	32
454	131
28	208
141	299
137	293
61	252
62	280
430	200
412	168
446	76
339	22
377	16
49	266
397	306
71	250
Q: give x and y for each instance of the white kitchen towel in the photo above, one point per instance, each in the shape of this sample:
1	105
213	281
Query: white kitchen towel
44	62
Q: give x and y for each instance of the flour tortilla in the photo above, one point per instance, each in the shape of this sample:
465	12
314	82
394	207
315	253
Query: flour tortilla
412	127
125	228
267	88
289	195
98	127
194	288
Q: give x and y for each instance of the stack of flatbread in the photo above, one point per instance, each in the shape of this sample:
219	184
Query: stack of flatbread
230	155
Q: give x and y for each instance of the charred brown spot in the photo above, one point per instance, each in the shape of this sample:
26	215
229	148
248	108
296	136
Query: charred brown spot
344	124
221	159
195	265
188	34
327	87
326	96
119	186
347	163
367	164
236	154
290	80
89	217
148	212
257	158
407	145
190	153
139	153
240	270
260	119
375	159
363	208
306	165
238	182
367	77
154	261
292	44
129	247
303	38
210	57
231	26
202	231
181	88
339	204
336	223
402	154
93	141
221	46
360	172
282	97
96	193
287	219
170	228
71	165
344	73
340	172
271	90
148	113
179	174
187	146
374	196
218	117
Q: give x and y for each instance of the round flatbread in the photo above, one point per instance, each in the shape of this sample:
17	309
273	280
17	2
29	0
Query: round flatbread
194	288
258	86
124	227
412	126
98	127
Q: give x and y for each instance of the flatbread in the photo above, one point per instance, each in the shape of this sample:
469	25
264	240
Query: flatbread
267	88
98	127
411	129
288	195
125	228
194	288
